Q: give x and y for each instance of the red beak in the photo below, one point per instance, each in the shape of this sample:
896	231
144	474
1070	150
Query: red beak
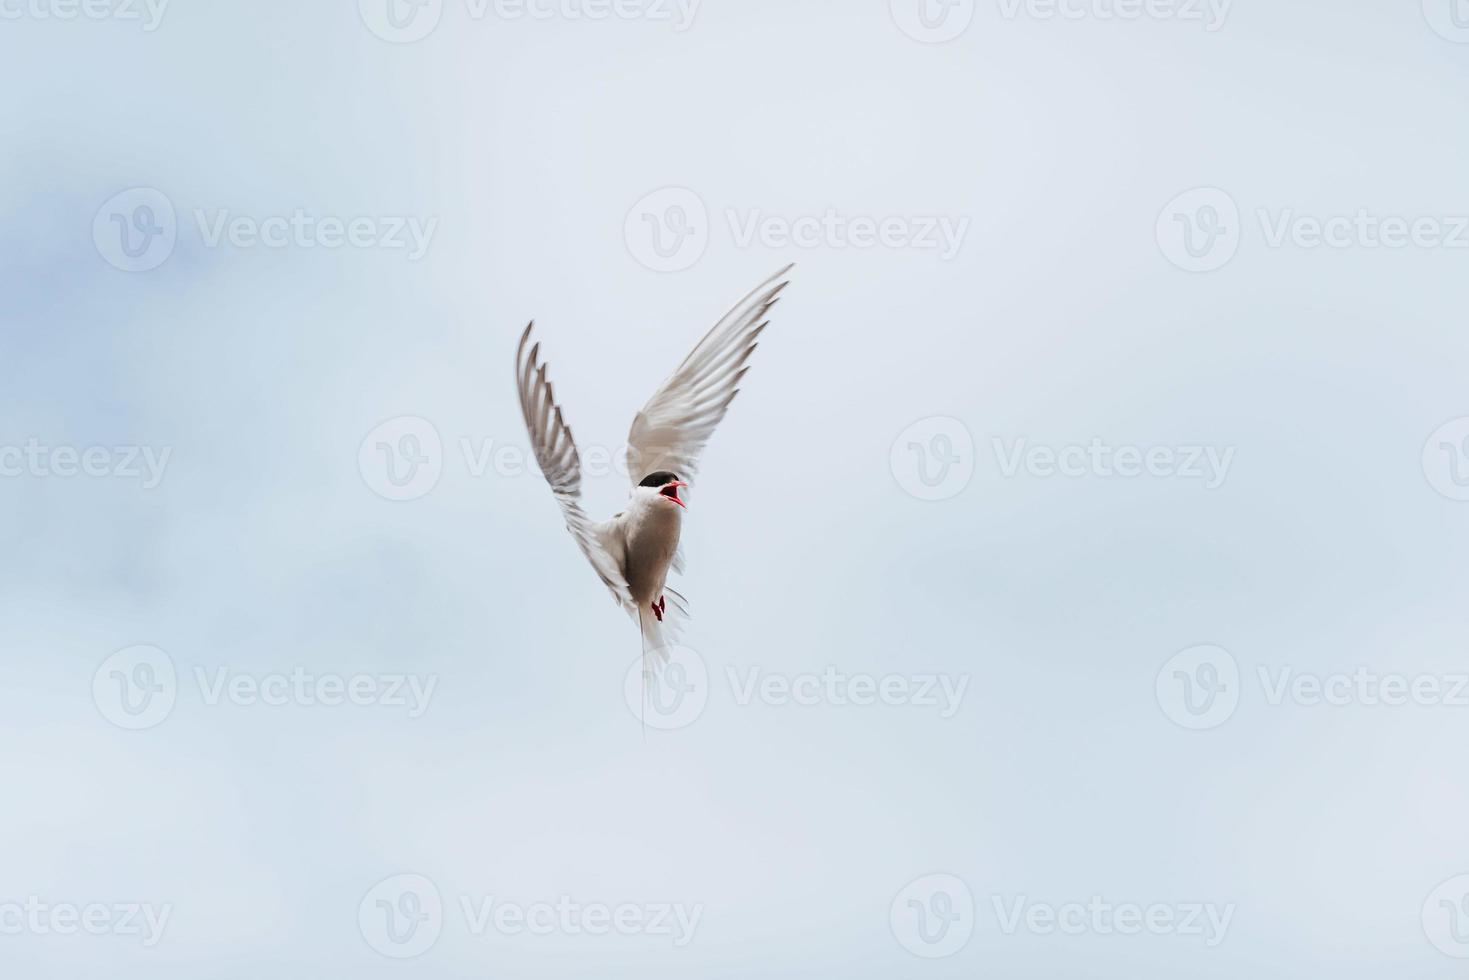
670	490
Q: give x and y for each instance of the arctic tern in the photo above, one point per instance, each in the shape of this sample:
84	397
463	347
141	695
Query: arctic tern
633	552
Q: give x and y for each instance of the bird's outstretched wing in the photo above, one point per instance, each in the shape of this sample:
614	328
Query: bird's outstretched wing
671	430
556	453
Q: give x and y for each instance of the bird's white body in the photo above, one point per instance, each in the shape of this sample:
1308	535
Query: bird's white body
648	532
634	551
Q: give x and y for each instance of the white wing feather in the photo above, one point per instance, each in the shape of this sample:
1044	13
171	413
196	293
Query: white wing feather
556	454
672	429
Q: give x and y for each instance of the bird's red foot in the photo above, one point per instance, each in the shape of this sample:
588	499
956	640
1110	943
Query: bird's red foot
658	608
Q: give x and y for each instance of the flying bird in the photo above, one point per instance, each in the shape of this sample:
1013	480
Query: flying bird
634	551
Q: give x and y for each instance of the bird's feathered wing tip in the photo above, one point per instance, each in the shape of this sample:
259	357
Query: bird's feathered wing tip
557	457
676	423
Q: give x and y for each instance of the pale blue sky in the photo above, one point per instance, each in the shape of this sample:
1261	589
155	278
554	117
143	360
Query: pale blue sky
525	144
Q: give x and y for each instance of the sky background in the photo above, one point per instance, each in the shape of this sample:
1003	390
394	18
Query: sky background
536	155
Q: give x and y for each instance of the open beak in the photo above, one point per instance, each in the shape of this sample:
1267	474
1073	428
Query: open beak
670	490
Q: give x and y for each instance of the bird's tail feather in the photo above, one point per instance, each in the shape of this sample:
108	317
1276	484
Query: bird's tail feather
659	636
